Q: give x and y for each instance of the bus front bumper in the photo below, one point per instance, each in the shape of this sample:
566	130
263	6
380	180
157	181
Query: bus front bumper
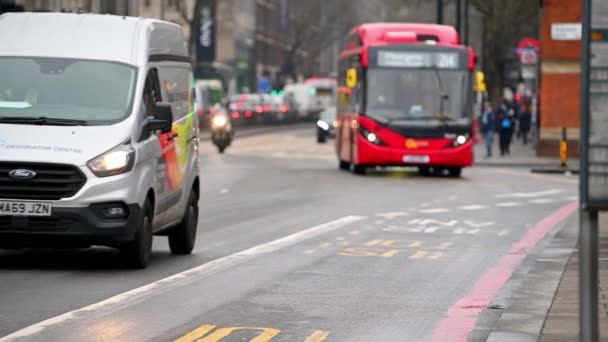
374	155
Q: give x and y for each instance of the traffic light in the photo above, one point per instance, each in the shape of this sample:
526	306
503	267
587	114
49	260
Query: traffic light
480	82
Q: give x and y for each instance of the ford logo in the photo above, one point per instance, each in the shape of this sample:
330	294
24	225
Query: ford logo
22	174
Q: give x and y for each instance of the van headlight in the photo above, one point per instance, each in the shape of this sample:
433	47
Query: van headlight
116	161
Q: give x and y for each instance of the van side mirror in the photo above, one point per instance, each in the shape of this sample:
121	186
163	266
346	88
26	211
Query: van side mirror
163	118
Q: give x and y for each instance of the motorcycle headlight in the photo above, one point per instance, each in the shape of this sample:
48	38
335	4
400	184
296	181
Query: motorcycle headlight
219	121
118	160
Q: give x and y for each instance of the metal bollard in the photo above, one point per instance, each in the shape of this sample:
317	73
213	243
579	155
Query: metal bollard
563	148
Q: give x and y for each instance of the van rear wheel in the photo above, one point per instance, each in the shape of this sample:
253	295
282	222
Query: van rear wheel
183	236
136	253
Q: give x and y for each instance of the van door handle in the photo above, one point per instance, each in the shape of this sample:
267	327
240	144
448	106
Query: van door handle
172	136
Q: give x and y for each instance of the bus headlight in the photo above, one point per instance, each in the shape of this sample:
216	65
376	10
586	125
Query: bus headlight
370	136
461	140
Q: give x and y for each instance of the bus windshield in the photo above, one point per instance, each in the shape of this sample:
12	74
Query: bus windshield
417	94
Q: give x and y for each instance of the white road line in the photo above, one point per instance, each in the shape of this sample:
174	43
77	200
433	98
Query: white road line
508	204
472	231
141	293
542	201
224	191
392	215
434	211
431	230
503	232
472	207
572	198
530	194
458	231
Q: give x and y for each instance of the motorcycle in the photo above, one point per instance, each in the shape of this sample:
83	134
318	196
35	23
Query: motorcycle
221	131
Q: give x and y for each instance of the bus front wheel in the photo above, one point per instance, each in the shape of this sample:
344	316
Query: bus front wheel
359	169
455	171
345	166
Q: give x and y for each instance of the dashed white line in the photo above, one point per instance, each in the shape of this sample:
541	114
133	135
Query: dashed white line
472	207
472	231
435	211
542	201
392	215
224	191
503	232
431	230
508	204
530	194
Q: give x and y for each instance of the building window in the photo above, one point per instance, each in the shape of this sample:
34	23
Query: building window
147	3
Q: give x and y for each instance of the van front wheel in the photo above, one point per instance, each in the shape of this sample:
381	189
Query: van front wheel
136	253
183	236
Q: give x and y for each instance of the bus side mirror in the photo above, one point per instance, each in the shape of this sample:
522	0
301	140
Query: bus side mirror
351	78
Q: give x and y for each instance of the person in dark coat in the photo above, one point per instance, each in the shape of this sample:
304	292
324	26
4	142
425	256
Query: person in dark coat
488	127
505	126
525	121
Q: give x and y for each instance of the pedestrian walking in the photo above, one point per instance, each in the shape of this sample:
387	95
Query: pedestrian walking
505	127
525	121
488	127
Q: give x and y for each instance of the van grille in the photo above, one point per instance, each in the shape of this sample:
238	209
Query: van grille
35	224
52	181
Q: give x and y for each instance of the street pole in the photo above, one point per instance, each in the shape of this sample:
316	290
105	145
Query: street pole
439	11
459	17
588	279
162	9
467	16
588	218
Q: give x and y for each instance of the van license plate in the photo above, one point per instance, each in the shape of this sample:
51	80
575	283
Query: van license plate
13	208
416	159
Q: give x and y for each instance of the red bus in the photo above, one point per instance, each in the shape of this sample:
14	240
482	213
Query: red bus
405	99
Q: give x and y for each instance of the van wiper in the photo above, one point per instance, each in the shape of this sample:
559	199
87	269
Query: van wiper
41	120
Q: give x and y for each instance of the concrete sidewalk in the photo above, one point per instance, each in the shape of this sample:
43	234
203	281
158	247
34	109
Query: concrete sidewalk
545	304
521	156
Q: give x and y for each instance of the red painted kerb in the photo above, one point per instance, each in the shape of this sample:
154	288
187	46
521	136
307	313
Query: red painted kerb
462	316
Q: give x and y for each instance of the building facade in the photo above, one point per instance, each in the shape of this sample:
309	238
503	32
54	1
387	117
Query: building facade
560	78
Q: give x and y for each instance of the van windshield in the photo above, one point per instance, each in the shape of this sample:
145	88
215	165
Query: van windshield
55	89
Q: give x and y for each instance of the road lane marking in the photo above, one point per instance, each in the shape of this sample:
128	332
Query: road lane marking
418	255
373	242
317	336
472	231
340	238
310	251
392	215
354	232
266	335
476	224
388	243
379	222
435	211
431	230
136	295
325	245
197	333
542	201
503	232
424	222
436	256
472	207
224	191
462	315
415	244
361	252
508	204
538	176
390	253
530	194
443	245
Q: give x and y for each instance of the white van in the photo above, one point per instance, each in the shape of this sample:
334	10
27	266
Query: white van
98	140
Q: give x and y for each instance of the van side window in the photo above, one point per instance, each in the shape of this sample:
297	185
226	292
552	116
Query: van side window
151	92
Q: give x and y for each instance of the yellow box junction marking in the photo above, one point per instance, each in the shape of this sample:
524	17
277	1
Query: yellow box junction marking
266	334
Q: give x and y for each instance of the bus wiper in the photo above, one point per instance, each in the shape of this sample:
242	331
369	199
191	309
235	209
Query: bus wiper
443	96
41	120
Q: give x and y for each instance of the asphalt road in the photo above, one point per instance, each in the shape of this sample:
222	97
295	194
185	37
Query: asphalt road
292	249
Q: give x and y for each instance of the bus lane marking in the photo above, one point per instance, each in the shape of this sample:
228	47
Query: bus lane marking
317	336
392	215
508	204
137	295
435	211
472	207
